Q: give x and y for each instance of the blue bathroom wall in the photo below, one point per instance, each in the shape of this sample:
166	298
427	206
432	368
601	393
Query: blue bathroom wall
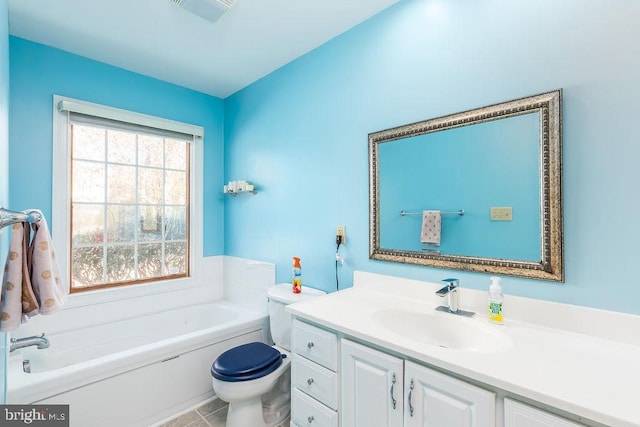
38	72
300	134
4	150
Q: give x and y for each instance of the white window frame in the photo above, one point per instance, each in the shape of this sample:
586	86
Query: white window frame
61	197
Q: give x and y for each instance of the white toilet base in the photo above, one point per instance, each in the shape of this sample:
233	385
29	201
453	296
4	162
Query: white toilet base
246	413
245	397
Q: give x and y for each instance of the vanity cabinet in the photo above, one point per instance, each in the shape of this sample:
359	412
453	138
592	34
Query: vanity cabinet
339	382
314	377
384	390
518	414
372	387
436	399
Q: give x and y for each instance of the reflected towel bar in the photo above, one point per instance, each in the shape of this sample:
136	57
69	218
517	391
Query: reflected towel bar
8	217
460	212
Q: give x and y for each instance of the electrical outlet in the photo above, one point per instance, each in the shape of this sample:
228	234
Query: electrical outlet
501	214
341	231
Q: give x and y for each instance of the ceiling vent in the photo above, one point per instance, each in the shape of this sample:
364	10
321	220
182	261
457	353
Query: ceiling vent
211	10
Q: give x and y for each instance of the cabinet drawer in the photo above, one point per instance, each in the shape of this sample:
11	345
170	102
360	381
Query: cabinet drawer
308	412
315	344
315	380
518	414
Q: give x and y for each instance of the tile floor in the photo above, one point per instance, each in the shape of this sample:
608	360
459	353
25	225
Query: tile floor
211	414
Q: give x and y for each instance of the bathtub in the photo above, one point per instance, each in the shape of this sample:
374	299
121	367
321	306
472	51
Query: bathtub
134	372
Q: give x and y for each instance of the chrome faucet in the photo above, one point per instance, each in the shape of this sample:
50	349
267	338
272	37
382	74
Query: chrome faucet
18	343
451	292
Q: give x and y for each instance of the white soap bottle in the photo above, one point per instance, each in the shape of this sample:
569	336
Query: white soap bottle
495	301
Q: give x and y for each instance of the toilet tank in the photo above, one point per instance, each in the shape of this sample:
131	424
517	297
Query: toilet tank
280	320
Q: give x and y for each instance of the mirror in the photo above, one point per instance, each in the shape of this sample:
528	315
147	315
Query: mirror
478	190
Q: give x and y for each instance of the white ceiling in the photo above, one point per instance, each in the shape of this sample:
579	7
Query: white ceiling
161	40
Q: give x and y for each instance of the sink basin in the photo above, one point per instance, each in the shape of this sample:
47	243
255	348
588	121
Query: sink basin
443	330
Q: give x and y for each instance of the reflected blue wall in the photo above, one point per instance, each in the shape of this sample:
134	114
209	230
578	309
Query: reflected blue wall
450	171
38	72
4	150
301	133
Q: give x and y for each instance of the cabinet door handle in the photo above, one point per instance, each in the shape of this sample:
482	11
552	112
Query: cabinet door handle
310	419
310	381
310	344
410	391
393	399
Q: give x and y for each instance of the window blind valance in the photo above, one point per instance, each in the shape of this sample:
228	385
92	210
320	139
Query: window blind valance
96	115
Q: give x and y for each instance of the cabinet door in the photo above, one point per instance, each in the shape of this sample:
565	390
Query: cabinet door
371	387
517	414
437	400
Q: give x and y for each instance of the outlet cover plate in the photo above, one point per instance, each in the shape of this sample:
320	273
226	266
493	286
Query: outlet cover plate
501	214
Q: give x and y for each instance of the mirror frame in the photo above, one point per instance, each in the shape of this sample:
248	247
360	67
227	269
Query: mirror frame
551	266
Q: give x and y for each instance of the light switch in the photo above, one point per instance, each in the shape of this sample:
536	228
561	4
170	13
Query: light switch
501	214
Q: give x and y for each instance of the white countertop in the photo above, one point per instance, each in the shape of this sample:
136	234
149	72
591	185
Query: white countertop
586	375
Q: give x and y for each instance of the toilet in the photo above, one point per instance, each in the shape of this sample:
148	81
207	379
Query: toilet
248	373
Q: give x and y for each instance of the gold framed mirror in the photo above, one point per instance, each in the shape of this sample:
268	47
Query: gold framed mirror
490	177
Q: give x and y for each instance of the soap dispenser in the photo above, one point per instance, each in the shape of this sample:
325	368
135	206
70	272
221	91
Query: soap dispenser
495	301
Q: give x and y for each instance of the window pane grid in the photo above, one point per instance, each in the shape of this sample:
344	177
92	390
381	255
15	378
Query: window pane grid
128	204
104	209
136	229
102	162
152	247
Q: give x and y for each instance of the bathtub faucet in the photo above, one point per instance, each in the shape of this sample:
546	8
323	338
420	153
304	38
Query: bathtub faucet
40	341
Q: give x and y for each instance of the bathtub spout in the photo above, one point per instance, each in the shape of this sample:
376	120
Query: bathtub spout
40	341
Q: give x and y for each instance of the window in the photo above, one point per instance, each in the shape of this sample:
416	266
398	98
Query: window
129	197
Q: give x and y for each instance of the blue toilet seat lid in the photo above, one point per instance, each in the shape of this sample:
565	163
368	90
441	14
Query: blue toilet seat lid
246	362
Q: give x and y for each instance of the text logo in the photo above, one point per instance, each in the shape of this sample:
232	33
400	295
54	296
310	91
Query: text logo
34	415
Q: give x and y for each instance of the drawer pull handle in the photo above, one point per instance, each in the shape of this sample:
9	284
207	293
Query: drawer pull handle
310	381
310	344
310	419
393	399
410	405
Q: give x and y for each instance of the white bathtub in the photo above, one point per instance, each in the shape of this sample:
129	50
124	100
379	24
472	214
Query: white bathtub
134	372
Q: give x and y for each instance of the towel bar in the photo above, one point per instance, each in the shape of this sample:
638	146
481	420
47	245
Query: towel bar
460	212
8	217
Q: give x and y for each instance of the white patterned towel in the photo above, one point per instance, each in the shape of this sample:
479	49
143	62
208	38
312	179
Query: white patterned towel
431	221
18	301
45	274
31	282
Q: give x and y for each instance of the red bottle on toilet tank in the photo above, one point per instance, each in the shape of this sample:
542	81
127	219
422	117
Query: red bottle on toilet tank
296	274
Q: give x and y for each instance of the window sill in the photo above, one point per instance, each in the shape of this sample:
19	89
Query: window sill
101	296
